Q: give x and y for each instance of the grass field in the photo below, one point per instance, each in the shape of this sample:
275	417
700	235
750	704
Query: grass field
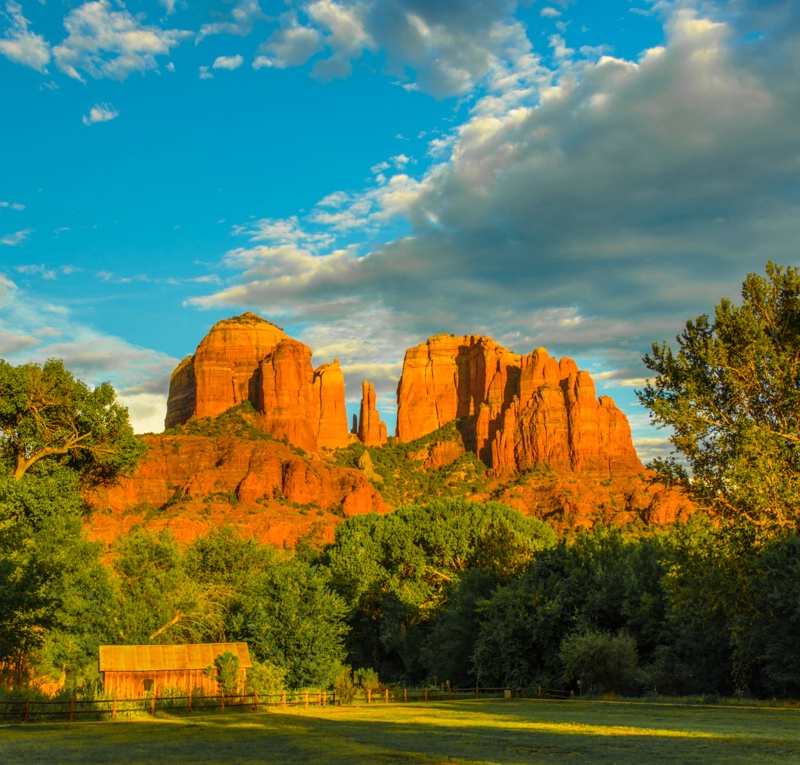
466	732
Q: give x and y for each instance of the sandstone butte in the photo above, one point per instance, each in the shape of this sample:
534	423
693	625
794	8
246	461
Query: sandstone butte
515	412
246	358
518	411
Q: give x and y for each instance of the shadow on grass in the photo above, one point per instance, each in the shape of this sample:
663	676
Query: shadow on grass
466	733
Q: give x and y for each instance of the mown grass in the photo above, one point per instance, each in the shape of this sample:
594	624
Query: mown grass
466	732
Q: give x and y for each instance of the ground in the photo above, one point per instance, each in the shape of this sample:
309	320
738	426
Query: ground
465	732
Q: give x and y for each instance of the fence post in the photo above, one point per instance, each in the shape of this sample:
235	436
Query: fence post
222	702
27	709
71	710
387	695
324	698
449	691
189	703
114	707
426	694
476	690
305	698
255	701
369	696
283	700
405	695
153	704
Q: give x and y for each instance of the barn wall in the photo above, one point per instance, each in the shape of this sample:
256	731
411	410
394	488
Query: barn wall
130	685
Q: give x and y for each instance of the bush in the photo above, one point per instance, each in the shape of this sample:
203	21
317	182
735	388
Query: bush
266	679
600	660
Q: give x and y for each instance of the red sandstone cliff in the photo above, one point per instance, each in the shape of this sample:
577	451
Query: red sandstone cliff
248	359
190	484
521	410
371	429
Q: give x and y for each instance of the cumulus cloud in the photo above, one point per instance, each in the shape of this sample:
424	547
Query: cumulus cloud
239	21
106	43
100	113
19	44
13	206
228	62
439	48
591	207
291	45
18	237
33	331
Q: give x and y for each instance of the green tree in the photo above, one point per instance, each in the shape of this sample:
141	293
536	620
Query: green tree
158	600
46	414
599	660
731	394
289	617
225	670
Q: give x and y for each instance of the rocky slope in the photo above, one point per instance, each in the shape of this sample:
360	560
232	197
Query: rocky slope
270	490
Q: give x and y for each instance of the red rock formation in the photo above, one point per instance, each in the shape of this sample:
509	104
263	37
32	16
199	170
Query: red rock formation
448	377
371	429
523	410
191	483
248	359
329	402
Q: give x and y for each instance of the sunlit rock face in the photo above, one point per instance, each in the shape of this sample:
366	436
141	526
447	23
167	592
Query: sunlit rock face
246	358
518	411
371	429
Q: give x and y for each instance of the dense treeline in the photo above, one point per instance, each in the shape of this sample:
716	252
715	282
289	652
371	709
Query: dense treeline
457	592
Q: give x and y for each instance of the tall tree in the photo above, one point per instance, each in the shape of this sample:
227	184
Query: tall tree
731	394
48	415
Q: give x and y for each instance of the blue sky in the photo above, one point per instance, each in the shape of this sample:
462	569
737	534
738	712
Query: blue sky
577	174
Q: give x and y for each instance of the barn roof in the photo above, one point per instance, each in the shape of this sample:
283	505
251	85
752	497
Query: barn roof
154	658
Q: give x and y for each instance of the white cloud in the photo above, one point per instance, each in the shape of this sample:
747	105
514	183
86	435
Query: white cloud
550	13
575	208
13	206
12	240
19	44
239	21
32	330
106	43
228	62
205	74
100	113
291	45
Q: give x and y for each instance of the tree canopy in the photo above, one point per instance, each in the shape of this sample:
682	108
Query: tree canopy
46	414
731	394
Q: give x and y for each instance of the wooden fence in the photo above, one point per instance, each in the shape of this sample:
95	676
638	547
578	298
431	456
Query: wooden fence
73	709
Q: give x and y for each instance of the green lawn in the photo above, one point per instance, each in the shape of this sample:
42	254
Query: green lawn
466	732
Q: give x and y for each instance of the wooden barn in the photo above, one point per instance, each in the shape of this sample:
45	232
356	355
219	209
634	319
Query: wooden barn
134	671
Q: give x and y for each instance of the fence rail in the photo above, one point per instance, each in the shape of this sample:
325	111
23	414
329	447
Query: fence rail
32	710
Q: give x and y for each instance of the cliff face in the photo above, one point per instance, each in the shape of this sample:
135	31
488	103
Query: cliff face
371	429
520	410
248	359
190	484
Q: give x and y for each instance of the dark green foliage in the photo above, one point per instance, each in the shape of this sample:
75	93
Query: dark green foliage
233	422
731	394
159	599
396	571
225	671
598	660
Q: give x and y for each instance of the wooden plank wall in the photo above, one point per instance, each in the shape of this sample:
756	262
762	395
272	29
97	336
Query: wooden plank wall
130	685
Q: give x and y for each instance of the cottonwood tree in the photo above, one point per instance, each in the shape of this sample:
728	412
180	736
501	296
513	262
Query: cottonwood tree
48	415
731	394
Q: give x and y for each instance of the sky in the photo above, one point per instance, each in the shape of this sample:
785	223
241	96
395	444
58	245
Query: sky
580	175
